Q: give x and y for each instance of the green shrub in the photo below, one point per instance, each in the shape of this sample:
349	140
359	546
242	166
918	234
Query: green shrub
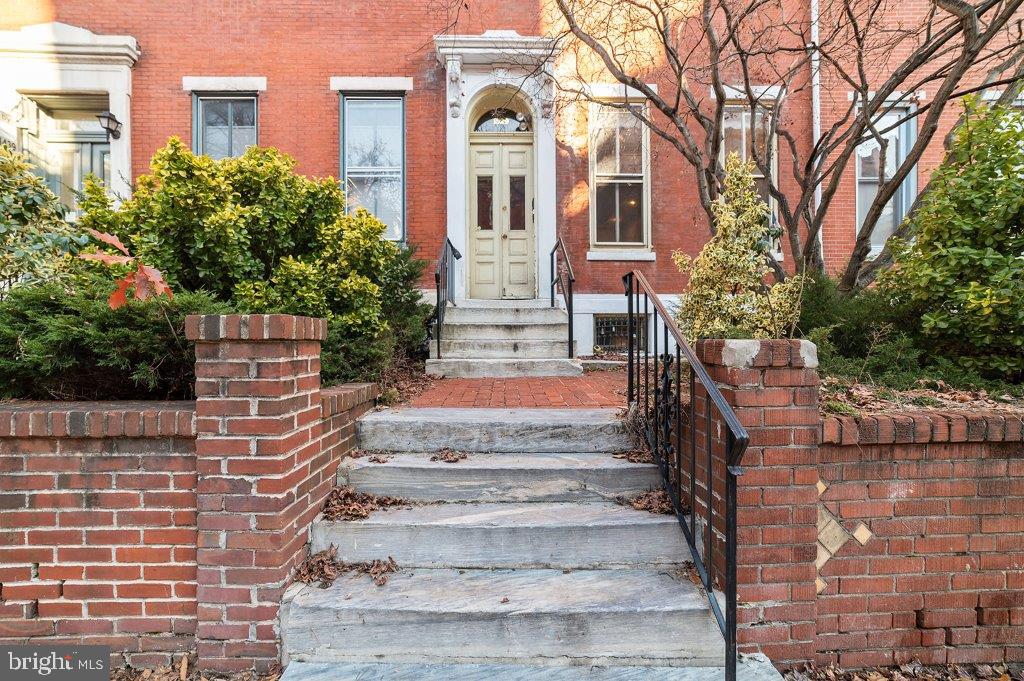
962	276
727	295
256	234
60	340
854	319
34	237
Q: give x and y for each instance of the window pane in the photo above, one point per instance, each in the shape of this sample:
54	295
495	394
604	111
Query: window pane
517	202
604	150
759	139
382	196
611	331
605	211
732	124
503	120
868	157
216	128
243	113
373	133
485	202
631	211
631	145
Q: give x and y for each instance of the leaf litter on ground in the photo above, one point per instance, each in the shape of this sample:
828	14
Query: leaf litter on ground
654	501
912	671
448	455
344	503
323	567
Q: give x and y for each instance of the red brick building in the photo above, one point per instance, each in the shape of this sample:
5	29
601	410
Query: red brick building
432	129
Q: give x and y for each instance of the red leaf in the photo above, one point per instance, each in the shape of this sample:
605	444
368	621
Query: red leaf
118	297
154	281
107	258
109	239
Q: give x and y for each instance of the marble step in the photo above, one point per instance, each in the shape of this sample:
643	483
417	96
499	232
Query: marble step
751	668
550	331
501	477
508	535
494	430
502	368
504	315
617	617
501	349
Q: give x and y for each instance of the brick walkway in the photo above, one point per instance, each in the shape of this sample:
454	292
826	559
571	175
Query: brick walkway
594	389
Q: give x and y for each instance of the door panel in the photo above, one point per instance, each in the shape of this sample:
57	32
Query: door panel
502	235
485	231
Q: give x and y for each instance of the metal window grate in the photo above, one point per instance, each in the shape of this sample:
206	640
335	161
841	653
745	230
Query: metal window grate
610	332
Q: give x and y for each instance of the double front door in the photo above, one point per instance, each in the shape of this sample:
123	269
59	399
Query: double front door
503	259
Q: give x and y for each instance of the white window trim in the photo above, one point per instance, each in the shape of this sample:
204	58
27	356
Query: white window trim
773	205
197	114
623	255
610	92
908	189
592	181
734	93
371	84
200	84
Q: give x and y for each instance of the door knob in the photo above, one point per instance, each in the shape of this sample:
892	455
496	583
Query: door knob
504	236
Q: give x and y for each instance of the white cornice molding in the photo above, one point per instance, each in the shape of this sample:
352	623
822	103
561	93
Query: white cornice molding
371	83
495	47
224	83
55	41
613	91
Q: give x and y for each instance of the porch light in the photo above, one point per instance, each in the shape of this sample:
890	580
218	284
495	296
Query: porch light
109	122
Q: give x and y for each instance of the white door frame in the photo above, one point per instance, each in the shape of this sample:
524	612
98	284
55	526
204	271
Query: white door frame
473	64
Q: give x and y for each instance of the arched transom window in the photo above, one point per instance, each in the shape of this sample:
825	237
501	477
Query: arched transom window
502	119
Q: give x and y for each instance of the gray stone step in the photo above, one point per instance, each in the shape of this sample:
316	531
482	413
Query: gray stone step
751	668
479	331
508	535
627	617
502	368
504	315
502	349
501	477
494	430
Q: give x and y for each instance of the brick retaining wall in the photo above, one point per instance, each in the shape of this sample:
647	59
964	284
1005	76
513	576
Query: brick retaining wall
157	527
896	536
940	575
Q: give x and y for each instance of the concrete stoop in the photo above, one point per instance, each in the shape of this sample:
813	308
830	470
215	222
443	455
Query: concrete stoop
503	339
515	563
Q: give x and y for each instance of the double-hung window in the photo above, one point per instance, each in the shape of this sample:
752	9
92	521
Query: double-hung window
873	170
225	125
742	134
619	179
373	158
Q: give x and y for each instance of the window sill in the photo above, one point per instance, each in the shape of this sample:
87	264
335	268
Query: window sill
622	255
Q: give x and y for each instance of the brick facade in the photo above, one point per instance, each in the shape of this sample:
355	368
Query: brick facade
158	528
298	46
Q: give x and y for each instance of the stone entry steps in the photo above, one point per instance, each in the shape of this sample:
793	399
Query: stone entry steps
503	338
752	668
515	562
532	535
501	477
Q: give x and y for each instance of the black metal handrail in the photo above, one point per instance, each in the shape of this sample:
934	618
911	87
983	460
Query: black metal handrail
661	409
445	290
565	282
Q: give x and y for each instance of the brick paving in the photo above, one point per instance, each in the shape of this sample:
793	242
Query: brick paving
593	389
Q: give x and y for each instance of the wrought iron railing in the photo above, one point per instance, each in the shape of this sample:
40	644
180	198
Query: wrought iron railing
562	277
697	442
445	286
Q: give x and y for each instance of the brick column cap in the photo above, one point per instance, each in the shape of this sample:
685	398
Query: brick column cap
254	327
751	354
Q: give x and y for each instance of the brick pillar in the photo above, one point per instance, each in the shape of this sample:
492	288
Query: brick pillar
773	386
261	477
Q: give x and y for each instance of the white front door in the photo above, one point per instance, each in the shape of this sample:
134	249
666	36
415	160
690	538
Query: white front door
502	254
